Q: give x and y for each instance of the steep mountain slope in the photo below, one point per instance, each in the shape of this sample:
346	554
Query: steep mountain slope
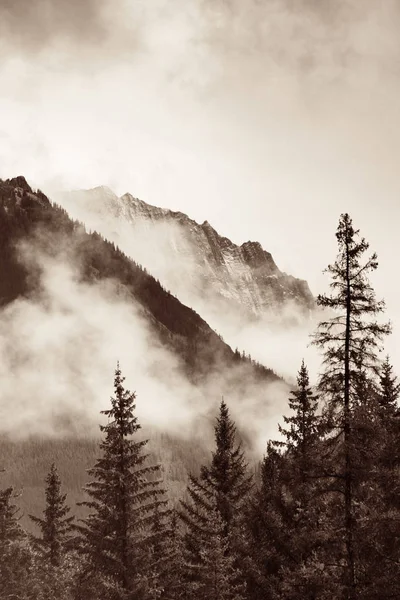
23	212
205	270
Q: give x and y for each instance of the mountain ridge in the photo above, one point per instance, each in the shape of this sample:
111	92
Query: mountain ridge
206	265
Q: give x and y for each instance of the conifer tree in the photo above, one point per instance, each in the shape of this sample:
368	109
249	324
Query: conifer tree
285	512
166	563
389	387
218	495
297	503
266	545
163	553
10	529
174	583
220	577
384	564
124	493
15	558
303	431
349	338
228	473
56	525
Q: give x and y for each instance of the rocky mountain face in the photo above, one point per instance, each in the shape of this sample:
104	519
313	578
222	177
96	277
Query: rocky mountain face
204	269
28	214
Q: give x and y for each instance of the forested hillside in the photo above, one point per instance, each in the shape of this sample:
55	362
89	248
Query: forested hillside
28	215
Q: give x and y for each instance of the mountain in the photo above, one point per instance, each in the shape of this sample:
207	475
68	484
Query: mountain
66	398
24	212
204	269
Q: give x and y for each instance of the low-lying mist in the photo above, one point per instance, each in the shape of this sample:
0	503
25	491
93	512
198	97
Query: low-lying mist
59	348
277	339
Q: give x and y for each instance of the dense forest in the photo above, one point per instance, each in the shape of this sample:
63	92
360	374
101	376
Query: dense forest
318	519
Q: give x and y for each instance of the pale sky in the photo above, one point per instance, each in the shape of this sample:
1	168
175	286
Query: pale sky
268	118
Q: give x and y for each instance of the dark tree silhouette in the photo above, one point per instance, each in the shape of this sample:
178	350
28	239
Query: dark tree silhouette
124	494
349	338
56	525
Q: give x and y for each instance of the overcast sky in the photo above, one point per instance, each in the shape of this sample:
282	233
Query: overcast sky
268	118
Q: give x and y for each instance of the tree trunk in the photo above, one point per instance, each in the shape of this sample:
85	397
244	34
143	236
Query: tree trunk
351	593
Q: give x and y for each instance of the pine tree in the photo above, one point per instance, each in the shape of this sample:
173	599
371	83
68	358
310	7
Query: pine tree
56	525
15	557
389	385
162	556
384	565
304	423
267	534
284	520
219	493
166	562
348	339
297	502
124	494
220	576
10	529
228	473
174	583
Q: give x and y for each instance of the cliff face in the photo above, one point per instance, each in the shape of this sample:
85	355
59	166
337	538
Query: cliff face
192	259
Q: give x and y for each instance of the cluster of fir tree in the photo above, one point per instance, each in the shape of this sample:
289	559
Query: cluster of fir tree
320	519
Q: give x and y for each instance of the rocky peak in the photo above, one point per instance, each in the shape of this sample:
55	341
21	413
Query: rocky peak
18	182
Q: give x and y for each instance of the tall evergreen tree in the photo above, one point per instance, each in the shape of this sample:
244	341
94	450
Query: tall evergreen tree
286	509
350	337
124	494
228	473
56	525
217	496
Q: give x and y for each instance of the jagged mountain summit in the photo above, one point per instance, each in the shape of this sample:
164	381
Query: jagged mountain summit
204	269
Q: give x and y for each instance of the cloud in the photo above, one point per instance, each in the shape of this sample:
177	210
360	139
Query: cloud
66	29
218	35
59	348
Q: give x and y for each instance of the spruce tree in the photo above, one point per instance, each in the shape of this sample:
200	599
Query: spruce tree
173	576
220	576
304	423
389	387
298	502
385	518
267	534
285	513
124	493
162	555
349	337
56	525
15	556
218	497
